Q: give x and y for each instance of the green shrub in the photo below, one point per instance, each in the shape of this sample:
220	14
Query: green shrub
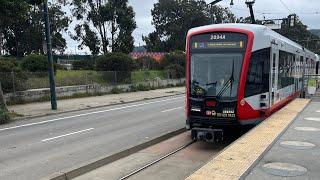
177	57
115	62
7	65
11	76
140	87
83	65
121	65
4	116
116	90
133	88
35	63
312	83
175	71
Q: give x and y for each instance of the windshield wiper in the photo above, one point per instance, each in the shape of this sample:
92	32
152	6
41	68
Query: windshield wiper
227	84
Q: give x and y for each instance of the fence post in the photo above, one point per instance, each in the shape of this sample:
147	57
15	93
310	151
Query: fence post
13	84
115	77
86	78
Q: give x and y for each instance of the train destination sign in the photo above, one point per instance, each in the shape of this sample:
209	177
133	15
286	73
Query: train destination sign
217	45
218	41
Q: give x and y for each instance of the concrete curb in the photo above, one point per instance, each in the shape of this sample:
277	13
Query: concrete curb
84	168
93	107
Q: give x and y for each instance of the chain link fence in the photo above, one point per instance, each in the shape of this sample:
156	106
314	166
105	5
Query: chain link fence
21	81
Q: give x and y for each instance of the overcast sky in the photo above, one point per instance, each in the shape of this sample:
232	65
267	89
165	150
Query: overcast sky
308	11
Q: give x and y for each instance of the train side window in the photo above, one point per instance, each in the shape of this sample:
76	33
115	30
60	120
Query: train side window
258	73
285	76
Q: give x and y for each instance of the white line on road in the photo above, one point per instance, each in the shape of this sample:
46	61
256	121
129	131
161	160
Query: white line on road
90	113
312	119
168	110
49	139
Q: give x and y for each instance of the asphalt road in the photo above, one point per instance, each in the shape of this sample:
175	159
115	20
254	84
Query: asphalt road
38	147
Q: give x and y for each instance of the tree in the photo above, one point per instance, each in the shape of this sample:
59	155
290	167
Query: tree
172	20
100	17
300	34
88	38
125	41
22	26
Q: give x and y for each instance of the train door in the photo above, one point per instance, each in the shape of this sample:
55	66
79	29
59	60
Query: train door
274	75
296	72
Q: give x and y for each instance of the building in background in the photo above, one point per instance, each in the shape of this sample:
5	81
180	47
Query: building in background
67	60
155	55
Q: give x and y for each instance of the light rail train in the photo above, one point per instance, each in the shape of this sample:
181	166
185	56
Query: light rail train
239	74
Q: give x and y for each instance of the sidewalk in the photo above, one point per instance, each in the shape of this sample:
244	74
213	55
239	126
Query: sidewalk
43	108
296	154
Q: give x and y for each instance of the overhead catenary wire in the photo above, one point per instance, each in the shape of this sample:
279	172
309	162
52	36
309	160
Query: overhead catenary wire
284	5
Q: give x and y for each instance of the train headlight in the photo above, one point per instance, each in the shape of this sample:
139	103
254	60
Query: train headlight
195	109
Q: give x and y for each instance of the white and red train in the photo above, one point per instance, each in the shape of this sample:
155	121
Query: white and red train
239	74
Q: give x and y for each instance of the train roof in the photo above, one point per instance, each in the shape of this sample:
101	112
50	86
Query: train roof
263	34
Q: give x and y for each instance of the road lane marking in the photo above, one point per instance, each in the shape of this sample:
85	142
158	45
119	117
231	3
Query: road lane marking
168	110
90	113
312	119
49	139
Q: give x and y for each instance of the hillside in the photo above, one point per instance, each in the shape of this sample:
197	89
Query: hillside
315	32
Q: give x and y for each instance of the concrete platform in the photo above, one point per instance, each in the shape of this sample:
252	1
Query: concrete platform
248	157
296	154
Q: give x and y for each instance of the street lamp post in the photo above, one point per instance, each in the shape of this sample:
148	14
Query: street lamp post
50	59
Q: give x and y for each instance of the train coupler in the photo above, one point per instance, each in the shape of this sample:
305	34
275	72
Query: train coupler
207	134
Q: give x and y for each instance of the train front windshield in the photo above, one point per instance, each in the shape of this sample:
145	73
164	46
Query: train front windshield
216	74
215	64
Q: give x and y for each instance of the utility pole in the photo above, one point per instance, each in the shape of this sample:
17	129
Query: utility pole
50	59
250	3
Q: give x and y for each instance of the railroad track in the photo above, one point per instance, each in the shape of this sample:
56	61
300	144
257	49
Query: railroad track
157	160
